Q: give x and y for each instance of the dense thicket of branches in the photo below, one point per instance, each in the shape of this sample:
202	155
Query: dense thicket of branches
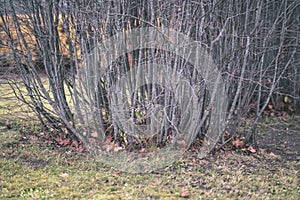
254	43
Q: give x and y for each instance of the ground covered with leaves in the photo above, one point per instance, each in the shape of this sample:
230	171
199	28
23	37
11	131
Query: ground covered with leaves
34	169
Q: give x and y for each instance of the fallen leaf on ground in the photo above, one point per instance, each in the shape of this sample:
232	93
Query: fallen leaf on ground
251	149
80	149
70	162
143	150
185	194
274	155
64	175
238	143
116	174
58	184
74	144
63	142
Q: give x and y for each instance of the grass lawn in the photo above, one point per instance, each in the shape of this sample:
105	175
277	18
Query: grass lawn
32	169
35	169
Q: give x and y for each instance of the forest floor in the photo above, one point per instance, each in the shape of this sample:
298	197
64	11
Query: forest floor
33	169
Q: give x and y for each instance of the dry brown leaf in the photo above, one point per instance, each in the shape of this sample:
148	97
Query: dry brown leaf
251	149
64	142
64	175
143	150
273	155
185	194
74	144
238	143
116	174
58	184
108	139
80	149
270	106
70	162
